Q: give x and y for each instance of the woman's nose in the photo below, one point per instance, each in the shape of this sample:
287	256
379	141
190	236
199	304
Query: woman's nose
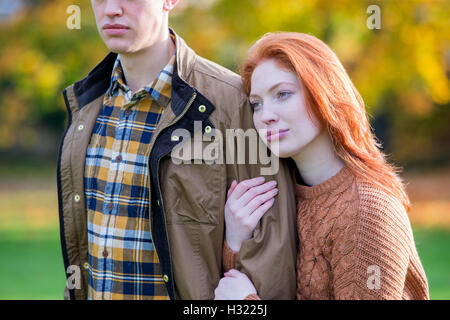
268	116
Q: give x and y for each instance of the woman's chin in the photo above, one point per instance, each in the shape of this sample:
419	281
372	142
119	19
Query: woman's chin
280	153
283	150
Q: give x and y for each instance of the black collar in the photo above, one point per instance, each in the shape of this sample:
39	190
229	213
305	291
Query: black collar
98	81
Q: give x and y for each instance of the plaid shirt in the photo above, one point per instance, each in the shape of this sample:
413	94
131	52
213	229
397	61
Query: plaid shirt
123	263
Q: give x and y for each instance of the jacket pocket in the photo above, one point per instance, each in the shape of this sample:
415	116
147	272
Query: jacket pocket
193	185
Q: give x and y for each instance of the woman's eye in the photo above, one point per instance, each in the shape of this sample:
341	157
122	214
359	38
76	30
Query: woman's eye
284	94
254	105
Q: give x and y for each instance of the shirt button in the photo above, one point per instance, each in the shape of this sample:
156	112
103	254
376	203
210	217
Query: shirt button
105	253
166	278
80	127
128	112
110	206
76	198
86	265
119	158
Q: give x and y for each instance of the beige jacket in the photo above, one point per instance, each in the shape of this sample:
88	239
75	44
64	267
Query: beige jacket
187	200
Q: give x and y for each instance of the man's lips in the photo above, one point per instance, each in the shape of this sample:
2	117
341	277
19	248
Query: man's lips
276	134
115	29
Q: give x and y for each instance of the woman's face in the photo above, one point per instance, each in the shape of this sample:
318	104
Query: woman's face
278	103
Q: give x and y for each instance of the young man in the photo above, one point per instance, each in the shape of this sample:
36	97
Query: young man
139	225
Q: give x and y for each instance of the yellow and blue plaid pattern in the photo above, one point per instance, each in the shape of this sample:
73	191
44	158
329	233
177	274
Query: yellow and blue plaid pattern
123	263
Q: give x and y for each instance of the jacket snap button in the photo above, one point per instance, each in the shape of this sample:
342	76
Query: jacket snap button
86	265
202	108
166	278
208	129
158	203
80	127
76	198
175	138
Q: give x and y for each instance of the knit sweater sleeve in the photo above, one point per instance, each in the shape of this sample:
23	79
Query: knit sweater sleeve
228	257
371	248
229	262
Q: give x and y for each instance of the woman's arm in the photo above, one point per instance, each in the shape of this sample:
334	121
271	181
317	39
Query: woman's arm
246	204
371	251
228	257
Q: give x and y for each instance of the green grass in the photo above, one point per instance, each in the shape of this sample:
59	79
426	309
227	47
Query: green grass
31	263
433	248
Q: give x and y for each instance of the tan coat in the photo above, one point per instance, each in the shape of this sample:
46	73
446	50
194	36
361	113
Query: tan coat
187	200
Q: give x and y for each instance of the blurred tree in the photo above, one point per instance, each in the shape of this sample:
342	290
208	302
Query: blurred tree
401	70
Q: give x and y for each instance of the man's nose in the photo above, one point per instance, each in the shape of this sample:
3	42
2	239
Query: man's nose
113	8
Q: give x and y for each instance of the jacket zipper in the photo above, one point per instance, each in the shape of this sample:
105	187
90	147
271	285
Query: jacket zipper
186	108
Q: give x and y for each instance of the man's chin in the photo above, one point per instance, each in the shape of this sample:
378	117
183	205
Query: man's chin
118	50
116	47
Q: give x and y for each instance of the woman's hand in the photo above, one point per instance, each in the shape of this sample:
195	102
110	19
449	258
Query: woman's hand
234	286
246	204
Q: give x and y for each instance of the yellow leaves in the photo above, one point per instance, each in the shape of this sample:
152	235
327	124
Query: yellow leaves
48	79
29	61
37	73
273	14
430	64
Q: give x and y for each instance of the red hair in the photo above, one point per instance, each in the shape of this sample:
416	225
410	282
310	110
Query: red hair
332	97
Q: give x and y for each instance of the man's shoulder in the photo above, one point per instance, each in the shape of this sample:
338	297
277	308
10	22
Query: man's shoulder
223	88
220	75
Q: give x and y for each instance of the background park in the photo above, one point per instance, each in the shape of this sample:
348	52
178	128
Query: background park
401	69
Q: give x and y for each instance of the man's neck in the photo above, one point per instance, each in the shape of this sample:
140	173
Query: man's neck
318	161
142	67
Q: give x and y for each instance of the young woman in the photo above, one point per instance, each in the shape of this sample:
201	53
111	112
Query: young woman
355	238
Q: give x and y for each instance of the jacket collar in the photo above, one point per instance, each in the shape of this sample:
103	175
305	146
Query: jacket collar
97	82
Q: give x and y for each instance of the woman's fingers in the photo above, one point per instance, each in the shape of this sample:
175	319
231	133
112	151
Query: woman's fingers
253	192
258	213
232	187
231	273
249	216
244	185
257	201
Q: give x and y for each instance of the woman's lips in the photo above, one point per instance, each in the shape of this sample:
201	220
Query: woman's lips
276	134
115	29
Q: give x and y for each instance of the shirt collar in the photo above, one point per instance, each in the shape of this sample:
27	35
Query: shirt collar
159	89
117	79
